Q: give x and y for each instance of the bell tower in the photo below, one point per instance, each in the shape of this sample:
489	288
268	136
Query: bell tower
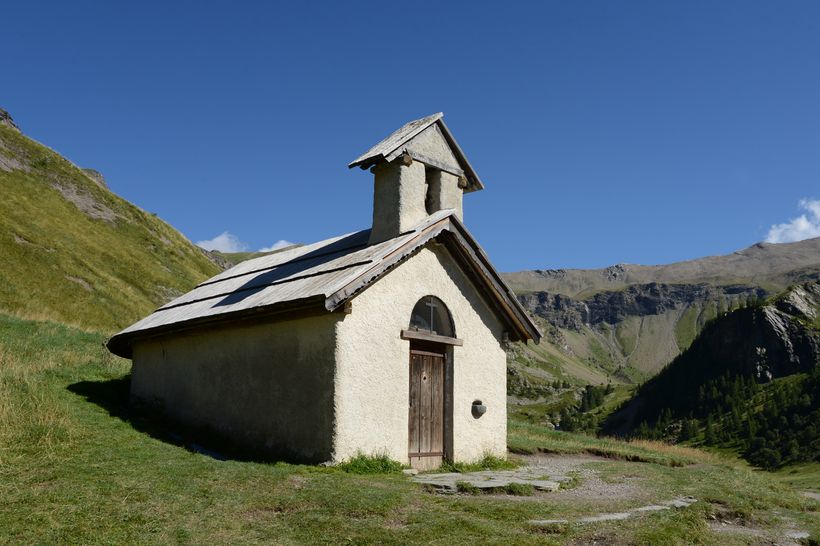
418	170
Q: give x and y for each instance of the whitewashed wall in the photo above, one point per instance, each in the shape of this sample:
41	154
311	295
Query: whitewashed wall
267	387
372	372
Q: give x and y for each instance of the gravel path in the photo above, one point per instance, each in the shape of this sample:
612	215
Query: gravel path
591	486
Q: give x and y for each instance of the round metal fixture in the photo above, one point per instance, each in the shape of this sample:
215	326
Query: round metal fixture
479	409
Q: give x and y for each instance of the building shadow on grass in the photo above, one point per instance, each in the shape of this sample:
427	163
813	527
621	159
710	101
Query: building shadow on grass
113	395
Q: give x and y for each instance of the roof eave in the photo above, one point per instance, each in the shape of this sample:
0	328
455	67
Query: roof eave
122	343
522	327
474	183
364	161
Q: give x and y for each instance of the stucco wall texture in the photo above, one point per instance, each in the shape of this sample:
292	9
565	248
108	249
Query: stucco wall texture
400	191
267	387
372	371
398	199
328	387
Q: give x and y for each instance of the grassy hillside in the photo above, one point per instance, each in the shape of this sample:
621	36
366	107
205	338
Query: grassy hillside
76	467
75	252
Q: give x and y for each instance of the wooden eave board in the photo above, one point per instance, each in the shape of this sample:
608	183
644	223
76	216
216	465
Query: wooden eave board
474	261
506	292
474	182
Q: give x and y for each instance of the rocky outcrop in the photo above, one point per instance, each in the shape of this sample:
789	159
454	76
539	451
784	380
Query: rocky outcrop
613	307
557	309
760	343
763	340
801	301
97	177
218	259
5	119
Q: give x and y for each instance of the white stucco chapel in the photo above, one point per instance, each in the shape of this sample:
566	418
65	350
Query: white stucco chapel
387	341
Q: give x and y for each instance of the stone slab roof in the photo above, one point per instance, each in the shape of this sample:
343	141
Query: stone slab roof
322	277
394	145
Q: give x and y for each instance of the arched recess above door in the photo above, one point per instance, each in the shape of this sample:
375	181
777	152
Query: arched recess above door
431	321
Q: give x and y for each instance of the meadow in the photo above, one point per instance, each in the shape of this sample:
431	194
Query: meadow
76	466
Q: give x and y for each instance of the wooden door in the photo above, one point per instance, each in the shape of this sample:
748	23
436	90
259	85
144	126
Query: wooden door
426	424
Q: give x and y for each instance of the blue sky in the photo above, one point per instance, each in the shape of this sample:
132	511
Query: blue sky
605	132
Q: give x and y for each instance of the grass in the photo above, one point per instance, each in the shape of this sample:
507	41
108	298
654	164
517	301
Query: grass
625	334
804	477
364	464
515	489
686	329
488	462
77	468
527	438
69	266
538	412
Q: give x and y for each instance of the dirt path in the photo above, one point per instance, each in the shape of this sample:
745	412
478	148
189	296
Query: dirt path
589	487
589	484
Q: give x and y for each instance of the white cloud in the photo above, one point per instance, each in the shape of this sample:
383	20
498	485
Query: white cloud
224	242
805	226
281	243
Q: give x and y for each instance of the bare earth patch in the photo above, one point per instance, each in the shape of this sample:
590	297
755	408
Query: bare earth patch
81	282
86	202
9	164
791	537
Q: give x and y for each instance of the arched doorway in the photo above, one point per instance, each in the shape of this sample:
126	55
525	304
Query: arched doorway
431	332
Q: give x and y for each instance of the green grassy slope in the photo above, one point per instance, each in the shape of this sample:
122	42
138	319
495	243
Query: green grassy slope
75	252
77	468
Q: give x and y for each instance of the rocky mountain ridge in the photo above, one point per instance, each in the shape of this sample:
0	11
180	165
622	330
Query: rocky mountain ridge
635	300
5	119
626	322
768	265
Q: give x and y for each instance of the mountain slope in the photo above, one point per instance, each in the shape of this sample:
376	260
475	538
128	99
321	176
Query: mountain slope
750	379
629	321
772	267
75	252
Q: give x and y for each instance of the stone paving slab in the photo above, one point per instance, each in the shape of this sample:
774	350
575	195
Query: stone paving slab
537	477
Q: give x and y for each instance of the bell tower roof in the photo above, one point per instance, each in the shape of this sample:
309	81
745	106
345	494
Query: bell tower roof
414	139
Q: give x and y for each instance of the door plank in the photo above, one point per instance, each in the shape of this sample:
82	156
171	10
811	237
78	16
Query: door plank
414	415
437	404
